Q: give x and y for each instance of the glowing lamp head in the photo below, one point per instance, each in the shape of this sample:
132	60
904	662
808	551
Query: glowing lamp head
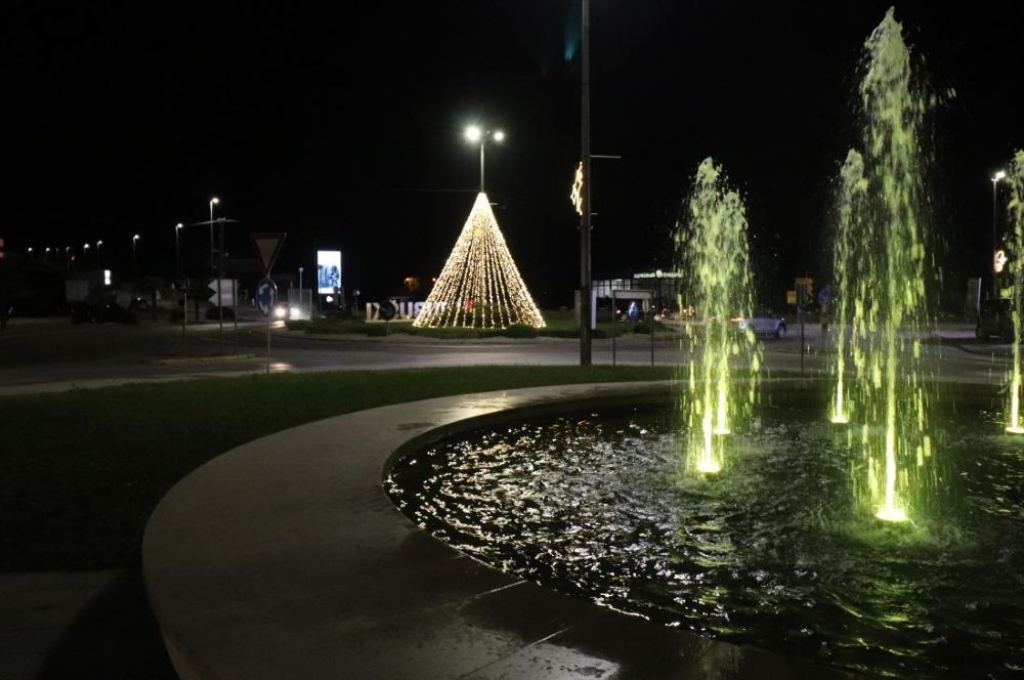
214	201
498	136
179	225
999	175
474	133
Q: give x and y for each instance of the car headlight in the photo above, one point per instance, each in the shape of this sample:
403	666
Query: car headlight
281	312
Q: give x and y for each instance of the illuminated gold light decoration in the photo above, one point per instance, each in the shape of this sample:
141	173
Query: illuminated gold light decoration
576	195
480	285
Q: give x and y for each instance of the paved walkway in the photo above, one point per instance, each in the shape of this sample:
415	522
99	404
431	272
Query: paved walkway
285	559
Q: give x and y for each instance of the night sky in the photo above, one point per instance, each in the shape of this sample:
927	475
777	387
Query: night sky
341	124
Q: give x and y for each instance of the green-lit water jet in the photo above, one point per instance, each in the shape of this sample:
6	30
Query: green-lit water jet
715	259
1015	178
879	263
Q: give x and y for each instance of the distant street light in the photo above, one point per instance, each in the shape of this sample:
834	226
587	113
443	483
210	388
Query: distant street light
135	259
30	252
177	252
476	134
85	252
995	181
213	201
300	287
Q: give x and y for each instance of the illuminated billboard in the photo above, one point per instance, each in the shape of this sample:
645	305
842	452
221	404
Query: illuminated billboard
328	266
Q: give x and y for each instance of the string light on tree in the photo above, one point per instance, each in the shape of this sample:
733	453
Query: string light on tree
480	285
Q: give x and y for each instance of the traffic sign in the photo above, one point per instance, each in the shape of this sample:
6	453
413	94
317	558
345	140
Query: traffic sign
267	246
266	296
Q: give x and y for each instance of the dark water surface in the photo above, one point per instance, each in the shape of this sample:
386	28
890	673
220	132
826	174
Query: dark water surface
774	552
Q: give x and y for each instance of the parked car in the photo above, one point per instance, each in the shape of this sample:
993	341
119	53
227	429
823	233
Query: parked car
763	324
995	319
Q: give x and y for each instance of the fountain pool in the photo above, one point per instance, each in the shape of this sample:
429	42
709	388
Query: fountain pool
777	553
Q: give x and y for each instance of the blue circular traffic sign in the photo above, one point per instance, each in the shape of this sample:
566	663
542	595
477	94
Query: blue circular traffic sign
266	296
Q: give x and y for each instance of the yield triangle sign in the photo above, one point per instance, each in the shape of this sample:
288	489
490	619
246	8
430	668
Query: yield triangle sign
268	245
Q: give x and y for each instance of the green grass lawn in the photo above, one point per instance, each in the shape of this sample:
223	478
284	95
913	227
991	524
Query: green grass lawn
81	471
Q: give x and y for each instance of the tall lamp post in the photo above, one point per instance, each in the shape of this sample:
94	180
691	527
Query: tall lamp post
991	258
476	134
300	288
213	201
85	253
135	254
585	274
177	250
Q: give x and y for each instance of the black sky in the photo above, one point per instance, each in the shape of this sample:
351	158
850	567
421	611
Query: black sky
341	124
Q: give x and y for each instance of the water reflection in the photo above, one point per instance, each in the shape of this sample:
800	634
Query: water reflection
772	555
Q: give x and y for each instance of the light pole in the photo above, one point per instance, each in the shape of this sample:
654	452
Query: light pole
995	182
300	288
177	251
30	253
135	253
475	134
213	201
585	273
85	253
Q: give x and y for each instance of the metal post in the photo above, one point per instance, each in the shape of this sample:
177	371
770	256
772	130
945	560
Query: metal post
184	321
650	327
211	238
992	253
220	286
615	327
482	164
585	302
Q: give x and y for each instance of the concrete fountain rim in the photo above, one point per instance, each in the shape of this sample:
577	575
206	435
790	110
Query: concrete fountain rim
284	558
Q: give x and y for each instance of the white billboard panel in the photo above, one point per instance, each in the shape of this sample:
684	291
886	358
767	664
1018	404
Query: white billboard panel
328	265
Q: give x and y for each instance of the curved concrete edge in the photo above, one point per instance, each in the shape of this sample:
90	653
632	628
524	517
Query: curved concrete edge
284	558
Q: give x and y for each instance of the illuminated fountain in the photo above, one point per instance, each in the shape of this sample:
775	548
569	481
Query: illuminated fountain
715	255
779	553
880	272
1016	209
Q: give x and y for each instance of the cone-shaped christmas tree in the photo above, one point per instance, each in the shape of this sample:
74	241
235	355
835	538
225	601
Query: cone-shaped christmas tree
480	285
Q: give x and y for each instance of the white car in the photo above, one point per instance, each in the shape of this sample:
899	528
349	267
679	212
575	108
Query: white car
764	324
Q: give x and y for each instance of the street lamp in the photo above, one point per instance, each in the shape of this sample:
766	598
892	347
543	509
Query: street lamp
475	134
300	287
213	201
85	253
995	181
135	260
177	252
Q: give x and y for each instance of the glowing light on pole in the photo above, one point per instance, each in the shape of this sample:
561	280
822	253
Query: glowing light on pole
476	134
177	250
213	201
